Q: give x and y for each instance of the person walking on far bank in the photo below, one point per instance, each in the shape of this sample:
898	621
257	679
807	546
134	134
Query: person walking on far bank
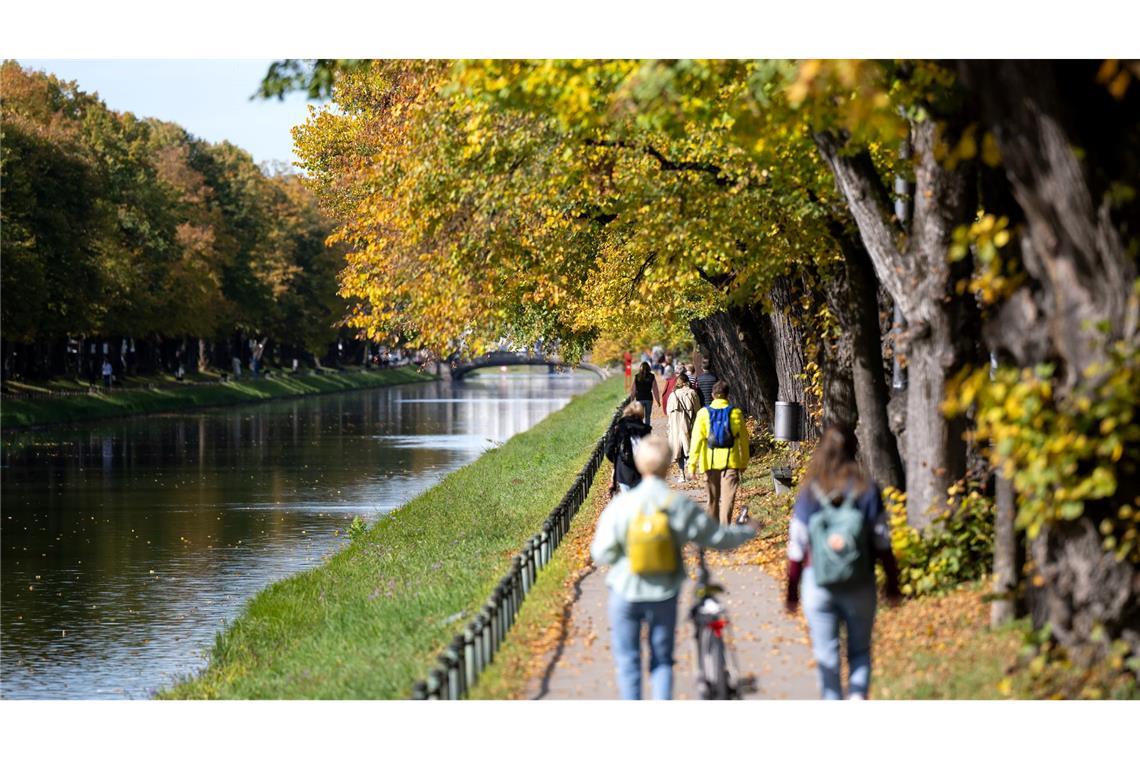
838	530
640	534
108	370
626	438
645	390
705	382
719	449
682	408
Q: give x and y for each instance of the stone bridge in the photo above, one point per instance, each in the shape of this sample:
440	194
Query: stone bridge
460	368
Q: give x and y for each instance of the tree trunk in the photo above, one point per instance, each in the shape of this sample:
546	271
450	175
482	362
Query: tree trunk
856	304
1004	607
750	386
920	280
1077	298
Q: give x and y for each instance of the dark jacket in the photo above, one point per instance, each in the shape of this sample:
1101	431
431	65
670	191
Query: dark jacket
643	387
628	428
705	382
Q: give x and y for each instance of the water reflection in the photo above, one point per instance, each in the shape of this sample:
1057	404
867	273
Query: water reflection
127	544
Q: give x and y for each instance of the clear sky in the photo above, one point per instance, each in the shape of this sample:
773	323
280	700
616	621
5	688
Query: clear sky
209	97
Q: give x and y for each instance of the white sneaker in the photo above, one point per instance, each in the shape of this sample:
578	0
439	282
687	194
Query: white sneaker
856	697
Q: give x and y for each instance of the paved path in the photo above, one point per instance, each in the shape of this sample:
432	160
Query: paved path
769	646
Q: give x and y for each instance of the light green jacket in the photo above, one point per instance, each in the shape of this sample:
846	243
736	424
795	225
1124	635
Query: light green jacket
688	523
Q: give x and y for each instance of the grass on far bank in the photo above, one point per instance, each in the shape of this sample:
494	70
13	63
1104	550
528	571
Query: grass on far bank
371	620
15	413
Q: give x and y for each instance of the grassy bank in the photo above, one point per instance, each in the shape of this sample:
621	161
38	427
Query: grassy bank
16	413
371	620
542	622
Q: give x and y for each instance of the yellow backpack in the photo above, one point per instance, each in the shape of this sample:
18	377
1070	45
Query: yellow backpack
649	542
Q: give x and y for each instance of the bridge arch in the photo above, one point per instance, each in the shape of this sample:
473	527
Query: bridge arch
460	369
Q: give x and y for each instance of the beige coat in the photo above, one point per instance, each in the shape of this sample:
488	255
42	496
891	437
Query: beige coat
684	403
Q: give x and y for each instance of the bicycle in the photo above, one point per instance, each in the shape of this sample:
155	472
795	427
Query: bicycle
715	679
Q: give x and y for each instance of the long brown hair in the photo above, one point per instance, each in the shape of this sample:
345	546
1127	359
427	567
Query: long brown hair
643	371
833	464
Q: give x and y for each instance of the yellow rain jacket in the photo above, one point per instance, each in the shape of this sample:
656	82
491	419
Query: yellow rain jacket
703	457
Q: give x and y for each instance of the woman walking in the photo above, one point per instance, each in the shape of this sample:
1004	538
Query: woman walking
645	390
838	531
682	408
669	375
628	433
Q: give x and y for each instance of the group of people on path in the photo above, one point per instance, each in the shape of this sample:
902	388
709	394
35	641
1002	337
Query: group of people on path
706	433
837	531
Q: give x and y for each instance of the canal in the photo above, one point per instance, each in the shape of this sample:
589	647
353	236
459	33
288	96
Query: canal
127	545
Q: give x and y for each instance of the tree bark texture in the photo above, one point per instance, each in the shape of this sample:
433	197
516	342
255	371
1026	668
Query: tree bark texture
920	280
854	301
787	339
1077	298
719	338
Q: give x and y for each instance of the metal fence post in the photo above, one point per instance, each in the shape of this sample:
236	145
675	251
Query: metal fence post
448	676
434	684
455	677
470	659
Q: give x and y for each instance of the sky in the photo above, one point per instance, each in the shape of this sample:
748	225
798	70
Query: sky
208	97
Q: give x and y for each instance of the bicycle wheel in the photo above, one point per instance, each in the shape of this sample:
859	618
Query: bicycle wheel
714	665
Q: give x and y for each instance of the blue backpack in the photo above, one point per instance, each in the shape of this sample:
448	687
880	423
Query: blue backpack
720	428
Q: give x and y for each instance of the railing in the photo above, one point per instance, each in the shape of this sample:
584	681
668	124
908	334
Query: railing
472	651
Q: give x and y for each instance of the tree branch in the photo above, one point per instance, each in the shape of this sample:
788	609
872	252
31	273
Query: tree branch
666	163
869	203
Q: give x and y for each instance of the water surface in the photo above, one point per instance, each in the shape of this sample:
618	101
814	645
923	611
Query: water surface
127	544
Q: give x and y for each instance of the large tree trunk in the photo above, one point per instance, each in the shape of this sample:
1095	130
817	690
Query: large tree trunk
920	280
787	339
751	388
853	298
1078	297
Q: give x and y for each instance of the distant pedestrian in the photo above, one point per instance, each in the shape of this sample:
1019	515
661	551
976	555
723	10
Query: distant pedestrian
719	449
837	532
626	438
236	362
627	358
669	375
682	408
108	372
705	382
645	390
641	534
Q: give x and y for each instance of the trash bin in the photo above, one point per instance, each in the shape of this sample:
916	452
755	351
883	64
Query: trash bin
789	421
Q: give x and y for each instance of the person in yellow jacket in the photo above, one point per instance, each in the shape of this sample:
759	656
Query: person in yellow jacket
722	466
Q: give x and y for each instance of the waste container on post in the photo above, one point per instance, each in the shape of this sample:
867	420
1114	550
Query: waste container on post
789	421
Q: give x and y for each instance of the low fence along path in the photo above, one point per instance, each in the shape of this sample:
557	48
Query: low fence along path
770	647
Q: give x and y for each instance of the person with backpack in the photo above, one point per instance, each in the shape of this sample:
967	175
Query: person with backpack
640	535
837	532
719	449
645	390
627	435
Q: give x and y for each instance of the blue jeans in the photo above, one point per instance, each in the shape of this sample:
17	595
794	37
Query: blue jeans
625	626
648	404
824	609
